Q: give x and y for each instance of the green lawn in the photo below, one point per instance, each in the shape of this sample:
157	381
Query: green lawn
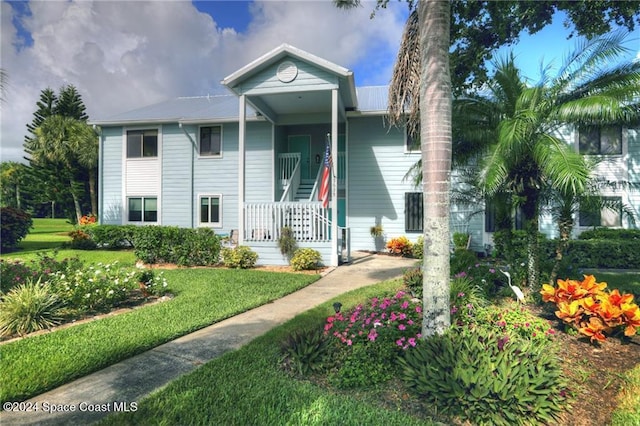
202	297
46	234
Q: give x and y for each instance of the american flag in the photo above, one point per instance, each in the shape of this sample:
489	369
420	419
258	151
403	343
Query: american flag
323	194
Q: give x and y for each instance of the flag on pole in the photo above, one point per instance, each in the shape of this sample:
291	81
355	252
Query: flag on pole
323	194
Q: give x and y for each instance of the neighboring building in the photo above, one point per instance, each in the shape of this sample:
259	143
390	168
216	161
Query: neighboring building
251	162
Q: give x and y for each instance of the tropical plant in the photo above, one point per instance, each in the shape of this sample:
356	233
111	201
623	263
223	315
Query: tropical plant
519	123
28	307
287	242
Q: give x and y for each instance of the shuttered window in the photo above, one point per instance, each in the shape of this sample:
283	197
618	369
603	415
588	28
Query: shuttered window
413	216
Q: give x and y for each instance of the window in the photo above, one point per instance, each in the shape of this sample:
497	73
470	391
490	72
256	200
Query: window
211	141
412	145
413	211
142	143
610	217
143	209
210	210
492	214
605	140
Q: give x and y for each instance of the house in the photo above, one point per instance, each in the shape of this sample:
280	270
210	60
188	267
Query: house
251	162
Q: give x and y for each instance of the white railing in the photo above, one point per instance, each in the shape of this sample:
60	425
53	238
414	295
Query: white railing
308	220
289	174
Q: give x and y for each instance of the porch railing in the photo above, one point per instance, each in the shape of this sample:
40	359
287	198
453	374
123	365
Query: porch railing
308	221
289	174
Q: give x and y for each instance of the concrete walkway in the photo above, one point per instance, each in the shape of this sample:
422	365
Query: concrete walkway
120	387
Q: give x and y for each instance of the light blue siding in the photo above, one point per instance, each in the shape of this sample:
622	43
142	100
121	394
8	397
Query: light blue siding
177	193
111	209
633	168
377	165
259	163
309	78
219	176
269	253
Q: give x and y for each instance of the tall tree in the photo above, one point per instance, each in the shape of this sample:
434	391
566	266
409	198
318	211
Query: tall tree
60	140
12	177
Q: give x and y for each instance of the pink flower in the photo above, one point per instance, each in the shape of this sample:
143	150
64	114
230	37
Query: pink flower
400	342
402	327
404	305
349	342
418	309
412	341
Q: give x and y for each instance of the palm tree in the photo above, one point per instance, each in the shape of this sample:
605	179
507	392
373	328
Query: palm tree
521	123
70	143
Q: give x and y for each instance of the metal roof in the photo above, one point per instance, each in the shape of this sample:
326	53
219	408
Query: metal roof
371	99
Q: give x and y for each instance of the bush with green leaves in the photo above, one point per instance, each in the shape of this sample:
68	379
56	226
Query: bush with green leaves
287	242
182	246
412	278
465	297
610	234
151	282
29	307
240	257
486	378
369	337
306	351
93	288
13	273
418	248
306	259
14	226
113	236
81	240
515	321
462	260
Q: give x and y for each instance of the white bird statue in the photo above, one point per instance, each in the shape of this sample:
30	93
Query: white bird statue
515	288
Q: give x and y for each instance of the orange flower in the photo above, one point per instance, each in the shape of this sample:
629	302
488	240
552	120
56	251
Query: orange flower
569	311
594	329
610	313
591	306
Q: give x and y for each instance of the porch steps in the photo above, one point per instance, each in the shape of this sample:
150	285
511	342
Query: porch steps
304	190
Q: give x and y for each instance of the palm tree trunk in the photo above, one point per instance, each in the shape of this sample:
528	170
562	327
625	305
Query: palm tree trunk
565	225
76	199
93	195
435	136
530	213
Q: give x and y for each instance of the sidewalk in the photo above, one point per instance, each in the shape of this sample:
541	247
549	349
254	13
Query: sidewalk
118	387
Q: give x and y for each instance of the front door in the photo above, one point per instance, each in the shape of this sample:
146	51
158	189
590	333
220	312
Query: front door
302	144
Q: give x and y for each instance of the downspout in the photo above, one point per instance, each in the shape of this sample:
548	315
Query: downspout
98	130
195	147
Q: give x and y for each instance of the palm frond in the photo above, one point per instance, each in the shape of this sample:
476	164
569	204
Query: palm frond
563	167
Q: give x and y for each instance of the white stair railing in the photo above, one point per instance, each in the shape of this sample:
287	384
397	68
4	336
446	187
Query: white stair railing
289	174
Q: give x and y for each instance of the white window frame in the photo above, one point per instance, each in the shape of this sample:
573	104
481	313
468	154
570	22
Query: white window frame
221	140
210	224
600	153
142	198
604	213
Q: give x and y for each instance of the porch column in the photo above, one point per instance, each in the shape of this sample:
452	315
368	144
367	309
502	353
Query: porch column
334	177
242	122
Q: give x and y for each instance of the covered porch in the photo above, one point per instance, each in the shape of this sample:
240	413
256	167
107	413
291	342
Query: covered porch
294	90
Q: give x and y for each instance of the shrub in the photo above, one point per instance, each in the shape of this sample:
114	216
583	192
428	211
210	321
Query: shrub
182	246
12	274
27	308
462	260
460	240
240	257
306	259
287	242
306	352
486	378
88	220
112	236
514	321
610	234
93	288
615	254
14	225
369	338
151	283
412	278
418	248
586	306
464	298
80	240
400	246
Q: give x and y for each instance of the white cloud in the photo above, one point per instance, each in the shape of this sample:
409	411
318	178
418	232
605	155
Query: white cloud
123	55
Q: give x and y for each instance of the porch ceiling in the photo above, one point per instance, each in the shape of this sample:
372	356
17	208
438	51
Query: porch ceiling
279	104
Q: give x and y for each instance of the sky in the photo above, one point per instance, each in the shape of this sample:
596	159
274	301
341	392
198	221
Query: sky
123	55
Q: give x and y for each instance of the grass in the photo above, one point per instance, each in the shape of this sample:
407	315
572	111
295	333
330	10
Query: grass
628	411
246	387
626	282
203	297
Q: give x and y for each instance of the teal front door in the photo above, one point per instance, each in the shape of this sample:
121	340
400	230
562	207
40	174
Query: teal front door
302	144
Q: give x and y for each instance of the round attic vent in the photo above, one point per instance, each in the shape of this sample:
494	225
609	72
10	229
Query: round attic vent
287	72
